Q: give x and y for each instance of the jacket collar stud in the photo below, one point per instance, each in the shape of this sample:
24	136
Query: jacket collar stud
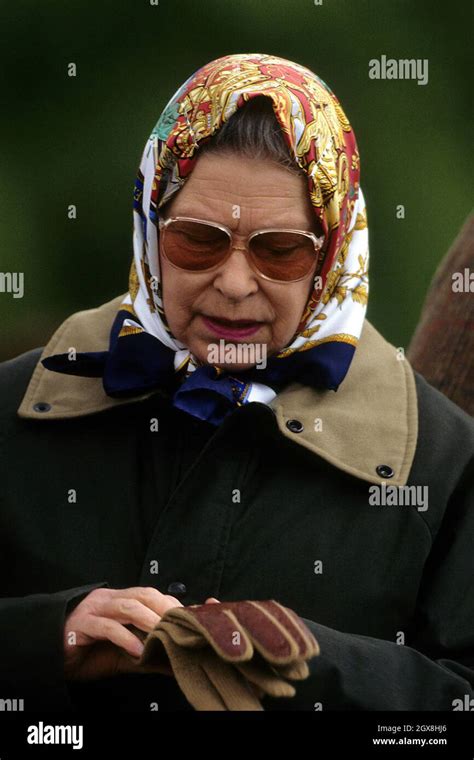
42	407
385	471
295	426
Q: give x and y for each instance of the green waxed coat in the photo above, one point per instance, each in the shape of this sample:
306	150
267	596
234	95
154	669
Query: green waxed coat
252	509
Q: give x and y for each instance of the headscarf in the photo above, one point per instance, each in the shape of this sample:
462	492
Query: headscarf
143	353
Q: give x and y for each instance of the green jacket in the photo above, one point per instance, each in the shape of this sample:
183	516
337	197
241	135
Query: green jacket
275	503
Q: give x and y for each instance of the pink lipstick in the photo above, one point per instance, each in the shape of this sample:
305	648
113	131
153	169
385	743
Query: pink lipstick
227	328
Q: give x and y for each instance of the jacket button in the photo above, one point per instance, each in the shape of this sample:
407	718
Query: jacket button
384	470
42	406
176	588
295	426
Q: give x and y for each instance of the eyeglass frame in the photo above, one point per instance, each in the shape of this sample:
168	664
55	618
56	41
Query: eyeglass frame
318	243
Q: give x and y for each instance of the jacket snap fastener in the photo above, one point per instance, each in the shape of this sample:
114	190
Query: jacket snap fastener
295	426
42	406
176	588
384	470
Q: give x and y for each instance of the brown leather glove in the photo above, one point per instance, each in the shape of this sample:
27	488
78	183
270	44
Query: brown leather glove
217	651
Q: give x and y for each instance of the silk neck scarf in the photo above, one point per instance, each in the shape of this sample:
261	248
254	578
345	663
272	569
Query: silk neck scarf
143	352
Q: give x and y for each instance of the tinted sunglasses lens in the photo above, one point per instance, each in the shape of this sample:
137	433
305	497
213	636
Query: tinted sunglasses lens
194	245
283	255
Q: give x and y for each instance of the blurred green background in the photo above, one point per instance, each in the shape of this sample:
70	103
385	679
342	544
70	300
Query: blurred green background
79	140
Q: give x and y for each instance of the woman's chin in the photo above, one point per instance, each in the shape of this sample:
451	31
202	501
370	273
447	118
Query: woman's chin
226	357
233	368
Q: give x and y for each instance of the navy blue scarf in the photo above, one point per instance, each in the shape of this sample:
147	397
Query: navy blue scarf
140	363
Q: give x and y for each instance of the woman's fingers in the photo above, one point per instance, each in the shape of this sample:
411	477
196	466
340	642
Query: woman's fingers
103	614
128	610
212	600
105	629
150	597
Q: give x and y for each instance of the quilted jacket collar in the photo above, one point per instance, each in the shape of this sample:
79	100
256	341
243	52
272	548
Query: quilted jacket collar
371	420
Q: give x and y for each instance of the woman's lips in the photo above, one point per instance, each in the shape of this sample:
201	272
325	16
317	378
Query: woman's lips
226	328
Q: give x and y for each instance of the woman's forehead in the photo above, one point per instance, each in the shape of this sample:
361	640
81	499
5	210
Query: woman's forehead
242	190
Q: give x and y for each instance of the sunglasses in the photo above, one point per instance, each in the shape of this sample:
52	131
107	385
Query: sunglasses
279	255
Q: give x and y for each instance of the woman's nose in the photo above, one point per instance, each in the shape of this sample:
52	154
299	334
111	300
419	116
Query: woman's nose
236	278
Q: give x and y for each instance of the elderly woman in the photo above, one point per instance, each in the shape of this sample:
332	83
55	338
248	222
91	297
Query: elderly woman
225	489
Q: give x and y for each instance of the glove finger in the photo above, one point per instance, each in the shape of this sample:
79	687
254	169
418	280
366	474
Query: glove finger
278	636
232	686
308	645
191	678
218	625
268	636
207	682
154	653
182	635
296	671
265	678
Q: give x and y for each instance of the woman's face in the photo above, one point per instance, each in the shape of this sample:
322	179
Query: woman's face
245	195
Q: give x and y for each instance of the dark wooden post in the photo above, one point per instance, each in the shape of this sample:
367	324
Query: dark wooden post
442	347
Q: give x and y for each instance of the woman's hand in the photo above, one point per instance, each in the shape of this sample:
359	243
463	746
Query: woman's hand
97	648
101	639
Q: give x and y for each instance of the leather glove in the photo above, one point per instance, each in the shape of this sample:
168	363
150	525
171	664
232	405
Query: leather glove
223	655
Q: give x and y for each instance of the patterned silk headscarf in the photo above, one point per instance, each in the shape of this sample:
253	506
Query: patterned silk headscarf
144	354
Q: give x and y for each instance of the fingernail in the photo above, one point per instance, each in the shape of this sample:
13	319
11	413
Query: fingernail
139	647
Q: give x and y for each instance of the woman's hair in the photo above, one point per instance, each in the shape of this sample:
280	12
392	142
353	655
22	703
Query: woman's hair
253	131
